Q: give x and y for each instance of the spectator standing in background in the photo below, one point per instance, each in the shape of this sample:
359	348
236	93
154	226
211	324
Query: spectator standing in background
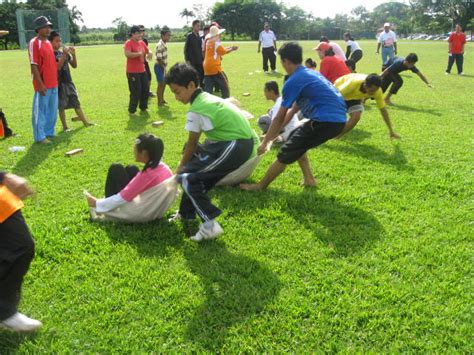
456	41
267	44
388	41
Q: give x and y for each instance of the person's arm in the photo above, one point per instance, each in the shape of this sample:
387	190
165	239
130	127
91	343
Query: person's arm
189	150
63	58
37	76
129	54
275	42
73	61
149	54
259	43
395	47
16	184
348	51
422	77
34	60
159	57
188	49
387	121
450	43
274	130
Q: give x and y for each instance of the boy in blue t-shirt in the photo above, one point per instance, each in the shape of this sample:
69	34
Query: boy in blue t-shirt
318	100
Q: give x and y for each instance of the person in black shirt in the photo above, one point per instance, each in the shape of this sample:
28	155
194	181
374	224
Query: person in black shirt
193	53
391	74
67	94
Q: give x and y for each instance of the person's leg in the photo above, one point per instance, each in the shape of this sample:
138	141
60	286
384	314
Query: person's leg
82	117
450	63
132	171
209	84
39	117
384	55
144	91
459	62
133	87
351	123
62	116
17	251
265	59
308	177
223	85
272	59
117	179
51	111
161	93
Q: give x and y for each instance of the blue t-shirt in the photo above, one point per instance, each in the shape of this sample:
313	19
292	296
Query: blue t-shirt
316	97
395	66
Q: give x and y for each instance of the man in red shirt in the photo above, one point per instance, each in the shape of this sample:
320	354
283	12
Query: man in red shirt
456	41
136	50
45	82
331	66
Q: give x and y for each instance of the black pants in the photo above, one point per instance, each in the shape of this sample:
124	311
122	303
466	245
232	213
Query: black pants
459	59
148	72
200	69
309	135
354	58
118	177
269	54
17	250
138	86
394	79
210	164
219	79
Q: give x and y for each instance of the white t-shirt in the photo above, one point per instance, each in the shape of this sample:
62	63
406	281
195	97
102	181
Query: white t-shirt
353	44
267	38
387	38
198	123
290	126
338	52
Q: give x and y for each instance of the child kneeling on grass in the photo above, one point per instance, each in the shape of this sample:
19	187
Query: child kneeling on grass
67	93
123	184
272	92
230	143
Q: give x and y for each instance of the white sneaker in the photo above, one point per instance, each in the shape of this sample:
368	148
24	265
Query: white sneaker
21	323
461	73
207	231
446	73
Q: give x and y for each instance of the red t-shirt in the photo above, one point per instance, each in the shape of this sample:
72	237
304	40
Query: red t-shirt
457	41
332	68
42	54
136	65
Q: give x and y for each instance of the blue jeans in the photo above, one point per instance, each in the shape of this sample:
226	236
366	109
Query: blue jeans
45	114
387	53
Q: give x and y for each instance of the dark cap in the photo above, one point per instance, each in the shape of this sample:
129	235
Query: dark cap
41	22
135	29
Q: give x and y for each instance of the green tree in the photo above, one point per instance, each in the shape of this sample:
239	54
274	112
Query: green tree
186	13
122	29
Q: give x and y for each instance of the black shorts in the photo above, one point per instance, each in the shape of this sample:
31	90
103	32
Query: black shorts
309	135
354	106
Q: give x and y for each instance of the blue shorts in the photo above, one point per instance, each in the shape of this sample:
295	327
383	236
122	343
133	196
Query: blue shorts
160	73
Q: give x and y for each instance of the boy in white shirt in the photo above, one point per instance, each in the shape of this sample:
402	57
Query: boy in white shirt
272	93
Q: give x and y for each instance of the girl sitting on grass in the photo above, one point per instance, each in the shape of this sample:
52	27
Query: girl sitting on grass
123	184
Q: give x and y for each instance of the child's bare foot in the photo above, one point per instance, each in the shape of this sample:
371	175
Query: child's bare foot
395	135
45	141
251	187
310	183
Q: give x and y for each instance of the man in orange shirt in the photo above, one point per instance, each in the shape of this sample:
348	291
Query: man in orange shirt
213	73
456	40
17	250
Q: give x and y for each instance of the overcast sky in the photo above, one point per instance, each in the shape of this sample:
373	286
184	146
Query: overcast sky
101	13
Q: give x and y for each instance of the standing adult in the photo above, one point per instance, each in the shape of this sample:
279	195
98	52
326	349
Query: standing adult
161	56
388	41
147	66
267	44
136	50
335	47
17	250
45	82
456	41
193	53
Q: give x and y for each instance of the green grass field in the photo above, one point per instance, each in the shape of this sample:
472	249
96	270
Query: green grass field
377	259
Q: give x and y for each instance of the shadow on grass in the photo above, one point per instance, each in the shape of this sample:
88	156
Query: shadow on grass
397	159
237	288
398	107
344	228
138	123
10	341
37	153
165	113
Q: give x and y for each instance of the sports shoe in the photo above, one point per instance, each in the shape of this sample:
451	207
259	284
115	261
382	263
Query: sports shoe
461	73
446	73
21	323
207	231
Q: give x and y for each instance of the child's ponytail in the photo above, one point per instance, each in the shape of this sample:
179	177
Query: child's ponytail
154	146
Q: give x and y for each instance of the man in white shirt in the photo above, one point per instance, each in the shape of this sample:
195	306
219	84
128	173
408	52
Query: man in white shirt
388	41
338	52
267	42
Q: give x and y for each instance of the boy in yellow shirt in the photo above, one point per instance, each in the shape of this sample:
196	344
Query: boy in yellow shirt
357	87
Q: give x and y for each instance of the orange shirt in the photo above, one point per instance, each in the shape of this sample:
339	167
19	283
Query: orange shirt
212	59
9	203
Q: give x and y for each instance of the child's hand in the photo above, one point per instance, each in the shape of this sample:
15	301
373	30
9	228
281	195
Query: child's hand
17	185
263	148
72	50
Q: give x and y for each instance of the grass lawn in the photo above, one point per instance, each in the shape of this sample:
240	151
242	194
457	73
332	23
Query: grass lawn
378	258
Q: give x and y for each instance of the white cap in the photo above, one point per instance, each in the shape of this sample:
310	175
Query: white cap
386	24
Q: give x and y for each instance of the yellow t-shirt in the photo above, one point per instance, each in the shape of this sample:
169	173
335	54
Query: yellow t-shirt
9	203
349	85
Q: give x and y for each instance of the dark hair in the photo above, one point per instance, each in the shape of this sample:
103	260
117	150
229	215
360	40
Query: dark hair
373	80
182	74
196	22
165	30
154	146
324	39
142	27
291	51
329	52
285	78
311	63
347	34
53	35
411	58
206	28
272	86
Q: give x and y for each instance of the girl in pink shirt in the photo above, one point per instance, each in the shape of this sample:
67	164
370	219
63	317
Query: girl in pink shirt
123	184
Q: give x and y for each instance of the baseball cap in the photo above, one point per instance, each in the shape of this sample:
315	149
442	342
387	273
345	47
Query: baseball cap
323	46
386	24
41	22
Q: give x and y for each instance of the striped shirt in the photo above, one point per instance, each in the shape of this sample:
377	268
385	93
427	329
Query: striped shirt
161	53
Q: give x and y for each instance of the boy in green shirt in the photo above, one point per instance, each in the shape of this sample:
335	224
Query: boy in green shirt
230	143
